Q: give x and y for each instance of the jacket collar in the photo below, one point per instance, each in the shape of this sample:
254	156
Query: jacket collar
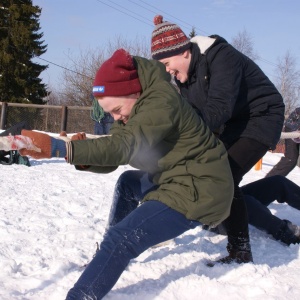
203	42
195	59
200	46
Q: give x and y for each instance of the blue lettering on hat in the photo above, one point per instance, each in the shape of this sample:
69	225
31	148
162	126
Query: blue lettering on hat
99	89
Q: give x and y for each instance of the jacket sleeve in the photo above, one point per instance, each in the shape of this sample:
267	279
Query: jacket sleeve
143	131
225	76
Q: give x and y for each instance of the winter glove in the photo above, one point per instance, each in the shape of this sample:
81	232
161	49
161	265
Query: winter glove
50	147
63	133
75	137
78	136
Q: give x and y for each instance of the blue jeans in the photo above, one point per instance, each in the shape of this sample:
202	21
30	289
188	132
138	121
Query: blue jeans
103	126
128	236
132	185
130	189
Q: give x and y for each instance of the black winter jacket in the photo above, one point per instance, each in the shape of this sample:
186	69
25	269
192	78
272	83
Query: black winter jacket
229	90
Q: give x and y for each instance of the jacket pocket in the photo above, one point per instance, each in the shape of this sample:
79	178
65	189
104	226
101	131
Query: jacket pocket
182	186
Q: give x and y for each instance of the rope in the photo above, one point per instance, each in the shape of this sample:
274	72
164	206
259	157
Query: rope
88	136
284	135
290	135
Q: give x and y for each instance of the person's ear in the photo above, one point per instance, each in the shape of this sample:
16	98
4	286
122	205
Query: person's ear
136	95
186	53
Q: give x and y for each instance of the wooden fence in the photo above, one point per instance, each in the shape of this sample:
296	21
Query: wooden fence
50	118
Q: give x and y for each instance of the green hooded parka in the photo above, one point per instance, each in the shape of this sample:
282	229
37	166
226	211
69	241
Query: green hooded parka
166	138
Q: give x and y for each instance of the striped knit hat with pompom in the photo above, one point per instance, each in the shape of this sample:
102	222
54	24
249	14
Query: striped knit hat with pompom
167	39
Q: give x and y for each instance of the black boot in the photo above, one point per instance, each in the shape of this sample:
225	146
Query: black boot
241	254
239	250
288	233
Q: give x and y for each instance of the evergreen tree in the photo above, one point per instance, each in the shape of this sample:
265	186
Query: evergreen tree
20	42
192	33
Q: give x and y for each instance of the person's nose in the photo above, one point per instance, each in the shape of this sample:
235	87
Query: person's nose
115	116
168	70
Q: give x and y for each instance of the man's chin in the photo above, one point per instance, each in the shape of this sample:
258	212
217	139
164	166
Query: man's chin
181	79
178	79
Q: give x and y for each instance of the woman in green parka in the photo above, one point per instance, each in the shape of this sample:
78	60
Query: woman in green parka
155	131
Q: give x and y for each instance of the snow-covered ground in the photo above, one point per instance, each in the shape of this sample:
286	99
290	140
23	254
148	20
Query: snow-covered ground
51	217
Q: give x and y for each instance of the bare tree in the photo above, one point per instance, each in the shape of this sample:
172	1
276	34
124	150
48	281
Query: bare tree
78	77
138	46
244	43
287	81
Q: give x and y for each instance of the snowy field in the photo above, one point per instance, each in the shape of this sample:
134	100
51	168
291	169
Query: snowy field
51	217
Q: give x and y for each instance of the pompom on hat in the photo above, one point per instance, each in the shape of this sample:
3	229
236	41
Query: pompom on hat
167	39
117	76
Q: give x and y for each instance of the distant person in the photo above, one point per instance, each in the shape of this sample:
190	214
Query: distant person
13	156
234	98
292	147
158	132
103	120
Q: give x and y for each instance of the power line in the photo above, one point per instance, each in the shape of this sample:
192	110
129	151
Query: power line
67	69
268	62
144	20
125	12
165	13
50	62
158	10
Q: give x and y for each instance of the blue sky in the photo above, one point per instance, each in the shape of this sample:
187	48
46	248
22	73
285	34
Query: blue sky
73	26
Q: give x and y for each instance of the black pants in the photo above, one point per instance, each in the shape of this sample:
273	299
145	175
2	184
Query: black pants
288	162
259	194
243	155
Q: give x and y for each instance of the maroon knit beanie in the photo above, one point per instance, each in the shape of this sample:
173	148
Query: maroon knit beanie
167	39
117	76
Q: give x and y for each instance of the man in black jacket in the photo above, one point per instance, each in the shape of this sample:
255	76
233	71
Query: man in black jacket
236	100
